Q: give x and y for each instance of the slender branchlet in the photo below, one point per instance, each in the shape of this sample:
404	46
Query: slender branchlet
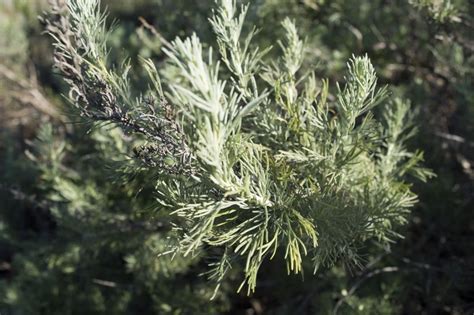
102	94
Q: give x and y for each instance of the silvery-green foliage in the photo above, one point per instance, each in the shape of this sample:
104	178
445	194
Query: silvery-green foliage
255	158
440	10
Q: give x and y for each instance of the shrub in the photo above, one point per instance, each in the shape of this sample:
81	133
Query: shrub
249	157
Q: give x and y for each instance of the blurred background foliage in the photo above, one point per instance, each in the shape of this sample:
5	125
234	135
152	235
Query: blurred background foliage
73	241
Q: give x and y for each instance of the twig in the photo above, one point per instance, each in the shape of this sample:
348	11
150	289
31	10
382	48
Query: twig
453	138
105	283
155	32
29	93
361	281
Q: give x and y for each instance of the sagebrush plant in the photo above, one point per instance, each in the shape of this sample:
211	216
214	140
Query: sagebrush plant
254	158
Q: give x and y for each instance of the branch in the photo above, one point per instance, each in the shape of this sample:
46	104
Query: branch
155	32
363	279
29	93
